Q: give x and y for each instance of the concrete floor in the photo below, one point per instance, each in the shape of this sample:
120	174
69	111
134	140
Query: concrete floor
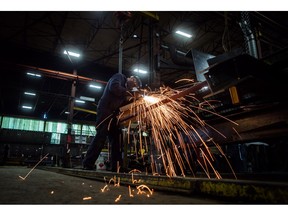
45	187
52	193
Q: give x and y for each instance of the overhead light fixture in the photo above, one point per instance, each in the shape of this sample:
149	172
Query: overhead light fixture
45	115
183	34
27	107
140	71
33	74
180	52
164	46
80	101
87	98
30	93
71	53
95	86
67	113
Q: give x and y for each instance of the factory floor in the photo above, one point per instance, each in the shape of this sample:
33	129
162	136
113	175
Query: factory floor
23	185
49	192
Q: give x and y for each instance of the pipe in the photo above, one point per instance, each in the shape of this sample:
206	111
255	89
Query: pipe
59	74
248	34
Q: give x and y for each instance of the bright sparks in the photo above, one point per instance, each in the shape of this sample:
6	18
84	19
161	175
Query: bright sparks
45	157
176	130
141	189
118	198
151	100
130	191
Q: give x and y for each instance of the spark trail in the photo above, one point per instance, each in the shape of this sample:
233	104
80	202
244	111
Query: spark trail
23	178
172	119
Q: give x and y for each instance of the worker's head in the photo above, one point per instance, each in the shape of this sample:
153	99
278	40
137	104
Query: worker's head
134	81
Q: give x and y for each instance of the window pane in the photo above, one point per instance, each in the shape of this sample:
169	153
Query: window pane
55	138
22	124
88	130
56	127
76	129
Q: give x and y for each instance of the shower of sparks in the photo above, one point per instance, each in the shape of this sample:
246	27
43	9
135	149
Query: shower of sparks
105	188
141	190
118	167
114	180
135	171
134	181
118	183
118	198
87	198
45	157
175	128
132	176
130	192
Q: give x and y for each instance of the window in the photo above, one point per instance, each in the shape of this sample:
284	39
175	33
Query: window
88	130
56	127
55	138
22	124
76	129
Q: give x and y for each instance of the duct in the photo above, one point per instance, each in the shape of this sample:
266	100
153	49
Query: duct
176	59
252	47
248	34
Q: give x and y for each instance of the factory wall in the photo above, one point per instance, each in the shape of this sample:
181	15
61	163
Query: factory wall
24	141
27	147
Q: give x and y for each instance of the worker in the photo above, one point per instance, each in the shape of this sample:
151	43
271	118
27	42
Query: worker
114	96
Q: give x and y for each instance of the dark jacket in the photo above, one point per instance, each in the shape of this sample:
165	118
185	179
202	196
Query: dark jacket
113	97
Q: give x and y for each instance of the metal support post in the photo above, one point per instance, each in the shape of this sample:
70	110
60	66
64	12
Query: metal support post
124	139
120	49
66	151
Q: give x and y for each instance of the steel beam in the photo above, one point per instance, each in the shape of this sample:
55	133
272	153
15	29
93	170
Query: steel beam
234	191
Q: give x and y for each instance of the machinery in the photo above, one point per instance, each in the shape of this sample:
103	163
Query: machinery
237	88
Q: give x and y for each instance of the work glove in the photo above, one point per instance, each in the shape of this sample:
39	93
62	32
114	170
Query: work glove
135	89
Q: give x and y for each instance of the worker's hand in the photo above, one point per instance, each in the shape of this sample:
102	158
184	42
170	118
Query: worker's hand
139	93
136	93
134	89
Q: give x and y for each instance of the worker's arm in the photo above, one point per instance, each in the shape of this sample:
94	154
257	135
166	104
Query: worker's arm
115	86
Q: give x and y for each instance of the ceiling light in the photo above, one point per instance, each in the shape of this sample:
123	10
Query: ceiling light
164	46
45	115
87	98
26	107
80	101
180	52
72	53
67	112
95	86
30	93
183	34
33	74
140	71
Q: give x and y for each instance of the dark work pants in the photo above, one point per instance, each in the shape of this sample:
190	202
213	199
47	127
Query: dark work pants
105	130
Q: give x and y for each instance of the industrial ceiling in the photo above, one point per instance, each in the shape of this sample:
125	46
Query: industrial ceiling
34	41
